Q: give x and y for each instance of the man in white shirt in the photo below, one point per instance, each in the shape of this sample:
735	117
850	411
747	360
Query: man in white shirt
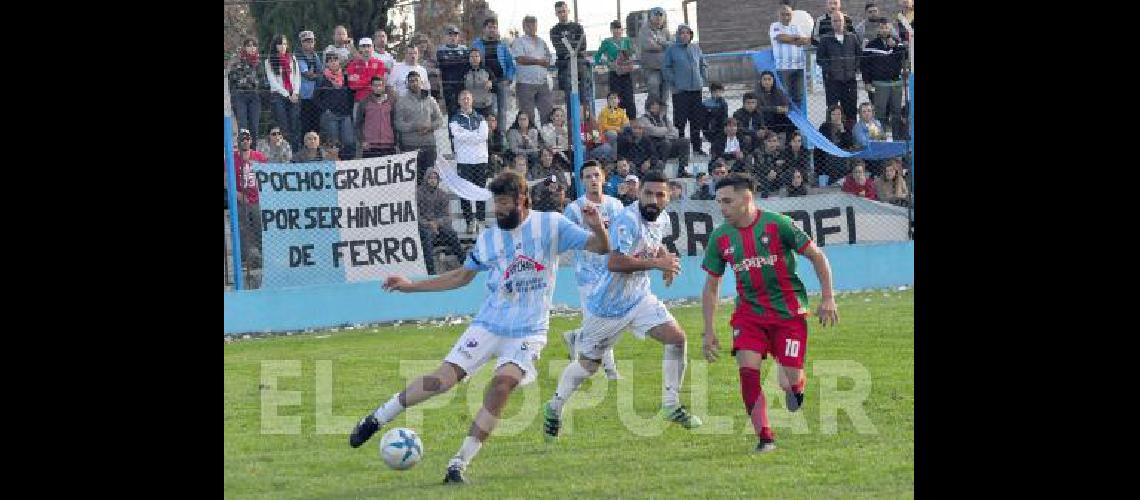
787	49
398	81
380	49
532	81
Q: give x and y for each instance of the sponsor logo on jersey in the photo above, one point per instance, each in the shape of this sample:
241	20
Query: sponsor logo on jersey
754	263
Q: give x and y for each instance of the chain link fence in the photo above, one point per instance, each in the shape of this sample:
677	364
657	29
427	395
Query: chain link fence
352	185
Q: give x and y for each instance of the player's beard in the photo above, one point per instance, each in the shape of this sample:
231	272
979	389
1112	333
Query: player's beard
650	212
509	221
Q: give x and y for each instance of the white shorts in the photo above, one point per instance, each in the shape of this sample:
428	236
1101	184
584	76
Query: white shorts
476	346
600	334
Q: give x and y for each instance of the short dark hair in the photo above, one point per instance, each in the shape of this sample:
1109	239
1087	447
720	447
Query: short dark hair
375	77
869	6
731	121
490	20
613	93
653	176
592	163
749	95
653	100
509	183
615	24
738	181
714	86
676	183
412	73
559	3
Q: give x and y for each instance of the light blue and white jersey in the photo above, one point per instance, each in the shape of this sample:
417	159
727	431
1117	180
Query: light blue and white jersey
589	266
617	293
523	265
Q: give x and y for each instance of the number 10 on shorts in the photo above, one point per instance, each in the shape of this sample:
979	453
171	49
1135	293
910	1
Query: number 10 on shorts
792	348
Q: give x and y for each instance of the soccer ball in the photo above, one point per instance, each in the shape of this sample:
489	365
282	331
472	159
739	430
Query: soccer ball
401	448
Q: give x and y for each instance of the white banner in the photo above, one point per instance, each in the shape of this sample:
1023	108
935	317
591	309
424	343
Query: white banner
830	219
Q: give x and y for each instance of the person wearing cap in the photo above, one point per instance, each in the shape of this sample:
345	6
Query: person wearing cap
312	65
627	192
380	49
653	38
532	85
452	59
573	33
615	53
249	201
361	70
500	63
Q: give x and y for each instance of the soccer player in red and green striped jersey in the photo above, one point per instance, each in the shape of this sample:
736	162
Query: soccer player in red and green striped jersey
771	304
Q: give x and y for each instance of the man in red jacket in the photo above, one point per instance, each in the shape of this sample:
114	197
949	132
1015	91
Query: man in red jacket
249	203
361	70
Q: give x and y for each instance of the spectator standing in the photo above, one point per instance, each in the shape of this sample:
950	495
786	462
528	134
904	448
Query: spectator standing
334	100
342	45
684	69
615	53
380	49
249	201
417	117
469	133
652	39
573	32
399	76
247	82
361	70
311	65
788	50
839	56
285	88
883	65
533	85
500	63
453	63
374	122
478	81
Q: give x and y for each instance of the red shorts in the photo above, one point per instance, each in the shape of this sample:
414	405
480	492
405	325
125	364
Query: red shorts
784	339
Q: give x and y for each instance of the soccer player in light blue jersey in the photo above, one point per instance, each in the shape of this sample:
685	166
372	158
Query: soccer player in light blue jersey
521	257
622	299
590	267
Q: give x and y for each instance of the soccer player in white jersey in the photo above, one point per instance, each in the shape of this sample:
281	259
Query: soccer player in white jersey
521	256
589	267
622	299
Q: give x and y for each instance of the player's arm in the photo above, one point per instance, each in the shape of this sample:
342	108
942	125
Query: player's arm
450	280
622	263
709	298
599	240
828	311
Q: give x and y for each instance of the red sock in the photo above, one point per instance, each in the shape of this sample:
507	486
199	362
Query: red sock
754	402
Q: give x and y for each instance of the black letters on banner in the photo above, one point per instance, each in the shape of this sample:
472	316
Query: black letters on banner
822	232
377	251
670	241
803	218
301	256
691	220
851	225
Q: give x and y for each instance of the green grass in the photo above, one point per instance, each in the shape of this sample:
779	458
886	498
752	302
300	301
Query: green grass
597	455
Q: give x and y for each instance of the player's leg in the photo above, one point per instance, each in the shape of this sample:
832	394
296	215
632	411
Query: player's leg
597	337
749	343
571	336
516	366
421	389
651	316
789	347
469	353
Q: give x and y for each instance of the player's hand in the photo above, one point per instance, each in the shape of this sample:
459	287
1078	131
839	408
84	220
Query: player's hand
397	283
592	217
668	262
668	277
828	312
711	348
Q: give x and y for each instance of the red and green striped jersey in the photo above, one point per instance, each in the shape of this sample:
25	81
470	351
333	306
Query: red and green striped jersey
762	257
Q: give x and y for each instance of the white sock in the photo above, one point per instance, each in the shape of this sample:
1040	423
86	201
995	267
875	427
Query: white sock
389	411
672	372
466	452
572	377
608	363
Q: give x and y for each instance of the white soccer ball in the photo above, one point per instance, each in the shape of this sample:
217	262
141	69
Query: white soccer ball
401	448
